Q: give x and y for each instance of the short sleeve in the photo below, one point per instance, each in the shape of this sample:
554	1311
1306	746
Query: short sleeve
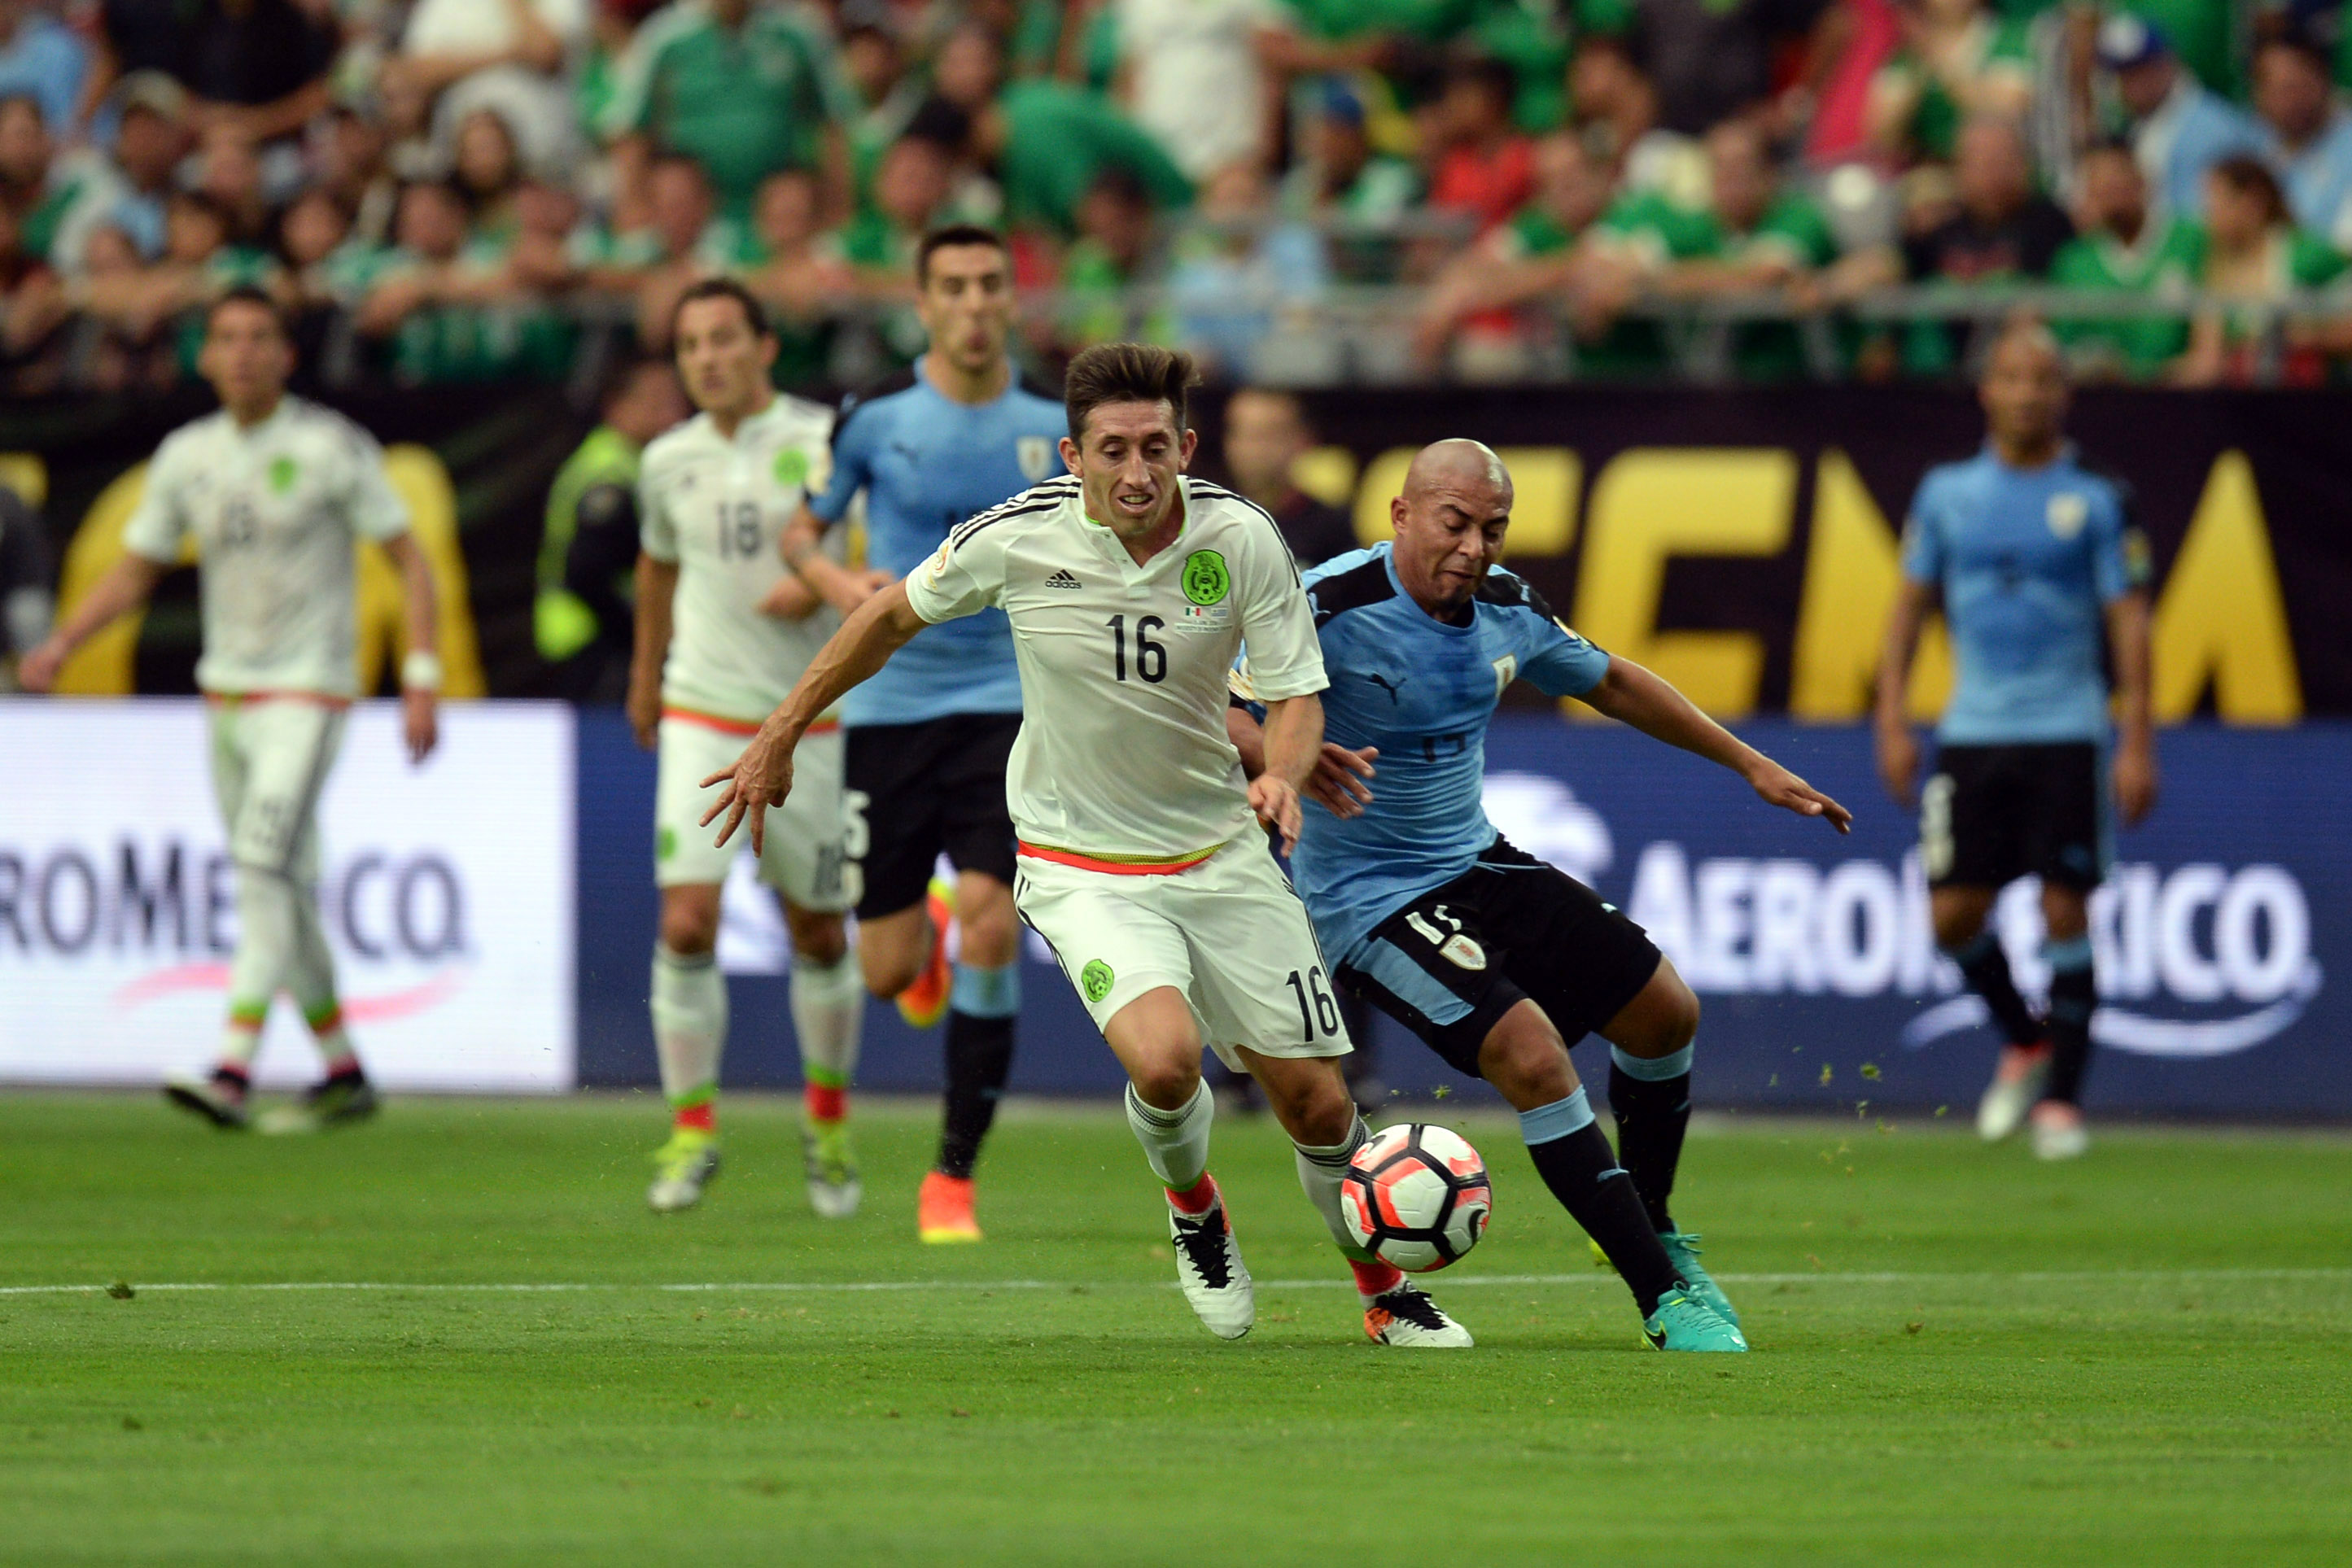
964	576
1923	543
156	528
854	438
1559	662
2119	558
1285	656
376	510
656	529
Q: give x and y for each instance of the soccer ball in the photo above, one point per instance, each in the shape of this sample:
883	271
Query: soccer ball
1417	1196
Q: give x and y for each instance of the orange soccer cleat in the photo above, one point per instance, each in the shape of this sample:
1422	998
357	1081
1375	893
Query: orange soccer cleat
925	1003
943	1210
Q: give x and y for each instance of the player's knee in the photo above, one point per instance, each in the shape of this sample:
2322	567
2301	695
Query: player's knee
2066	911
688	928
820	938
1674	1010
1524	1059
1320	1112
1167	1082
992	934
1956	920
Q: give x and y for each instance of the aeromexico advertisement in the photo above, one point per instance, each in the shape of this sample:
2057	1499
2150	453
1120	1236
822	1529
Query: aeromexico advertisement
446	898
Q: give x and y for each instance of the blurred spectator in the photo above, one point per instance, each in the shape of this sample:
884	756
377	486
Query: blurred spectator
347	153
680	246
2179	128
1616	109
1533	256
260	64
1958	60
503	56
2124	246
41	59
2256	260
2207	34
742	89
27	603
124	191
1047	140
2310	134
1864	40
2004	228
1196	78
1339	179
429	299
801	278
912	189
1266	434
874	64
228	170
1109	257
32	201
487	169
1710	59
1239	272
1481	166
582	618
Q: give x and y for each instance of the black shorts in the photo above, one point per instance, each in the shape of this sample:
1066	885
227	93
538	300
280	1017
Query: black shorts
915	791
1452	962
1994	813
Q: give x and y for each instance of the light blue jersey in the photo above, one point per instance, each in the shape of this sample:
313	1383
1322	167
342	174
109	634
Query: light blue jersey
2027	561
1423	691
926	464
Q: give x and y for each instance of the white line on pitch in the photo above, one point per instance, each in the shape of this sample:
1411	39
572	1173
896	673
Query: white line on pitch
2072	1276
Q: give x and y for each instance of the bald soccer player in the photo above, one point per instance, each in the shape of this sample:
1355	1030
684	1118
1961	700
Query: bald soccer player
1496	960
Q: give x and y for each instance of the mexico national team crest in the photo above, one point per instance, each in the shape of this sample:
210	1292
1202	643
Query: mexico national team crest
1096	979
1036	455
2067	514
282	473
791	467
1206	581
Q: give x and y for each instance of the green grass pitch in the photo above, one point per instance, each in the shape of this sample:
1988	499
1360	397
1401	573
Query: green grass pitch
1961	1356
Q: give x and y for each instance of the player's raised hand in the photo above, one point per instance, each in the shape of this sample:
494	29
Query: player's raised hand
1337	782
37	671
1277	805
2134	772
1783	788
420	724
1898	762
760	777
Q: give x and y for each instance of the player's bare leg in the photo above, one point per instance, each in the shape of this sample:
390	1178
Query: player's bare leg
828	1004
1960	914
1171	1110
2057	1117
1524	1057
690	1017
907	951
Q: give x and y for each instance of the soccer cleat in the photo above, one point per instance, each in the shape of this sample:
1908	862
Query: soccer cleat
1210	1270
347	1097
925	1003
943	1210
219	1099
1681	1250
1683	1321
834	1189
2059	1133
2016	1086
682	1169
1406	1316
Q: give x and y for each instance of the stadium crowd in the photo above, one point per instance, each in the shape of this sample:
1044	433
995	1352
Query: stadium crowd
1300	190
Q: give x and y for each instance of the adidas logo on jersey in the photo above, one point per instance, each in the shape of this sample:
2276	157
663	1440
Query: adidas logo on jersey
1063	579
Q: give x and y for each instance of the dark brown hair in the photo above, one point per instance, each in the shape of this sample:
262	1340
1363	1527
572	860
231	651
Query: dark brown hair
2250	176
954	235
1127	373
723	288
248	294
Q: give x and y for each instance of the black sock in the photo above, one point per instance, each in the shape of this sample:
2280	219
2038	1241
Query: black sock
2074	997
1652	1115
980	1058
1583	1174
1985	968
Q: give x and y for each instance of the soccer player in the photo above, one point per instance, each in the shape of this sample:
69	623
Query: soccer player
1129	588
1496	960
276	492
723	630
2034	560
928	736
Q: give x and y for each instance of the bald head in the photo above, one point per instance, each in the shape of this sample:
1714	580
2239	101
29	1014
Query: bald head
1450	521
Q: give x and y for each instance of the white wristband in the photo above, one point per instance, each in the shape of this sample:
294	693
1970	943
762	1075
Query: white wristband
420	672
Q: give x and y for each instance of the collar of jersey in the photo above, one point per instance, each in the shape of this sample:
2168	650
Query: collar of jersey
1109	542
2063	460
1388	561
270	421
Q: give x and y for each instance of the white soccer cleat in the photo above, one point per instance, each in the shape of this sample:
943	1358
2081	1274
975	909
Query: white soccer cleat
2016	1085
683	1166
834	1187
1406	1316
1210	1268
2059	1133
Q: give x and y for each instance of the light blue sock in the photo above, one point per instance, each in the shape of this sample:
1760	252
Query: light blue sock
987	993
1546	1123
1653	1069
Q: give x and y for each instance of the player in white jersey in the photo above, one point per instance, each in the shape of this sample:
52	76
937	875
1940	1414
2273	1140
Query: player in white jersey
1130	588
723	630
276	493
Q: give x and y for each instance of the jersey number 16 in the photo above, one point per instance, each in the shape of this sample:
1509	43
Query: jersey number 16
1151	658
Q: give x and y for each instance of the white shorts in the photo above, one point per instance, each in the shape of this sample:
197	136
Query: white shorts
1229	934
270	758
803	858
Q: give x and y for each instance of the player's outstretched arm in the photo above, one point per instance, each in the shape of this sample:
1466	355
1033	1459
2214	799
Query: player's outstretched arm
2134	763
1898	748
657	590
802	544
762	776
1294	749
1632	694
420	671
1337	782
127	585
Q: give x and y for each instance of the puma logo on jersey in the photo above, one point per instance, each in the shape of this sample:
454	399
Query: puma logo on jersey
1063	579
1394	688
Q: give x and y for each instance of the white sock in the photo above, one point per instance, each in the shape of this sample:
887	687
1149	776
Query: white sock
1175	1143
313	980
828	1003
689	1009
1320	1172
266	936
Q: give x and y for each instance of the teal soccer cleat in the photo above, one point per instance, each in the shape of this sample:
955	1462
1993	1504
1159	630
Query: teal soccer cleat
1681	1250
1683	1321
